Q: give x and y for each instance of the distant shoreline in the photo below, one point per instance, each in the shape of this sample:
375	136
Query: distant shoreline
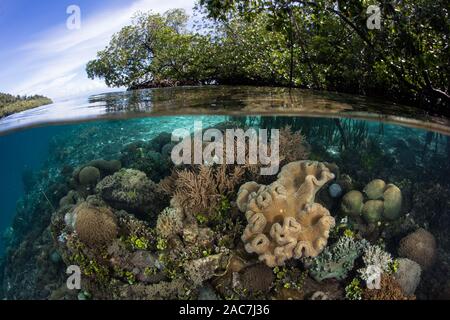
14	105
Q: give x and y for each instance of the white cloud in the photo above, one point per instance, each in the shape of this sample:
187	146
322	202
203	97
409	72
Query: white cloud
54	63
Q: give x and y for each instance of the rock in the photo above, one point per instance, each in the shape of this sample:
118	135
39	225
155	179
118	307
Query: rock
408	275
419	246
207	293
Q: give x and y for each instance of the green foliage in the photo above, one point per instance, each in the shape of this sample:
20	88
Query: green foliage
313	44
10	104
155	50
333	49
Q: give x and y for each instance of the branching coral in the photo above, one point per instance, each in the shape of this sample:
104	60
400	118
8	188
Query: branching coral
283	220
377	261
170	222
199	190
293	146
336	261
95	226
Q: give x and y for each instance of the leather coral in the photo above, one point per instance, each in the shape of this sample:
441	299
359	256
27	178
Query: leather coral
284	222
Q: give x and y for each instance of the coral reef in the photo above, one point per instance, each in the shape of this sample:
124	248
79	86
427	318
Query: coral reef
374	190
89	176
376	261
203	269
283	220
132	191
170	222
338	260
257	279
389	290
419	246
199	190
352	203
382	202
106	167
408	275
95	226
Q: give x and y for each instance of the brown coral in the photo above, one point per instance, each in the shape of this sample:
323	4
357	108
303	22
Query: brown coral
389	290
89	175
293	146
199	190
95	226
283	220
419	246
170	222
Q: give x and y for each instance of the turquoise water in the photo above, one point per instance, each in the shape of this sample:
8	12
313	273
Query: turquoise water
38	166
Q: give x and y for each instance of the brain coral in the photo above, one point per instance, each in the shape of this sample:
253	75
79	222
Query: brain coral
283	220
89	175
95	226
419	246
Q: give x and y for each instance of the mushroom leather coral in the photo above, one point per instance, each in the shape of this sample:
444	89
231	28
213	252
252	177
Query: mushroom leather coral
283	220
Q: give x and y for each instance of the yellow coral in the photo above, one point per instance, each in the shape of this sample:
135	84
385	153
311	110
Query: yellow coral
283	220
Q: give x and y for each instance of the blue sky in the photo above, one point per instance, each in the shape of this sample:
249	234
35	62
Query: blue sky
40	55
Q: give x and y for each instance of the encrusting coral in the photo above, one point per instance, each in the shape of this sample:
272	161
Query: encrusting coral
95	226
131	190
283	220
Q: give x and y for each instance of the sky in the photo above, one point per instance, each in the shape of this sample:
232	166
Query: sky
39	54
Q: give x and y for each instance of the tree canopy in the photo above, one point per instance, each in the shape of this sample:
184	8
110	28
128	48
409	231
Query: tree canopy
320	44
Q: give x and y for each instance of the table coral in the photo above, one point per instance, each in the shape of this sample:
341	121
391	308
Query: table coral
283	220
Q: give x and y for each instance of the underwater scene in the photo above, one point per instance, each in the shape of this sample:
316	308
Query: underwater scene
356	209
